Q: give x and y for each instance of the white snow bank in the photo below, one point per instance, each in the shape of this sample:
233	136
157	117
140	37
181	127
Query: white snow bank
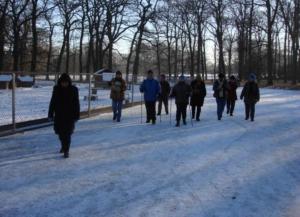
228	168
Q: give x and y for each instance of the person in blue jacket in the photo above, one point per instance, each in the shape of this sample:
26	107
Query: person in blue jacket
151	89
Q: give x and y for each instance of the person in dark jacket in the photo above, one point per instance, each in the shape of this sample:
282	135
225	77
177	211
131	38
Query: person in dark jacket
251	96
164	94
198	95
181	91
64	107
232	97
117	93
150	87
220	89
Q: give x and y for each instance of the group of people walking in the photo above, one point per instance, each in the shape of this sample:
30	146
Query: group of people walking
64	106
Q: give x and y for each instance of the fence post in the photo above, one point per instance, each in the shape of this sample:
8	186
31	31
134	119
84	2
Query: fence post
13	88
89	97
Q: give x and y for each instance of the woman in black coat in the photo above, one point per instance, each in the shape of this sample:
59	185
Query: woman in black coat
251	96
232	97
181	91
64	107
198	95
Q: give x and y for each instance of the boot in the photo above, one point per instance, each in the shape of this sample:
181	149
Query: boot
66	155
177	124
184	122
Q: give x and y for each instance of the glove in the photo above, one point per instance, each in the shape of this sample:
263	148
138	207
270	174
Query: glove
50	119
241	97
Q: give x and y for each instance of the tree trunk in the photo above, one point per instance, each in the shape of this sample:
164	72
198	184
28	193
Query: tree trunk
137	54
2	35
176	55
16	45
81	46
34	37
67	50
49	51
129	56
61	53
285	55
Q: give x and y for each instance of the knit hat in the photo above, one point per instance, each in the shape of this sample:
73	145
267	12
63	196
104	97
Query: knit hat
252	77
232	77
181	78
221	75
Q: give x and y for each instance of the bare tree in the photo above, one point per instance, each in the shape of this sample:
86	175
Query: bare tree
271	16
18	17
145	13
3	21
291	14
218	8
67	11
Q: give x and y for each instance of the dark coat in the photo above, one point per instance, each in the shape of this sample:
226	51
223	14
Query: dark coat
250	92
181	91
118	88
220	89
65	108
232	86
198	93
164	90
151	89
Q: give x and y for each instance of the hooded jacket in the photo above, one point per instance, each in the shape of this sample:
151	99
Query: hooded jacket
64	106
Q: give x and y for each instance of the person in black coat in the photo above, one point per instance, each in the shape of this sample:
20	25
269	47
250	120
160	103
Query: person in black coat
163	97
198	95
232	97
181	91
64	107
251	96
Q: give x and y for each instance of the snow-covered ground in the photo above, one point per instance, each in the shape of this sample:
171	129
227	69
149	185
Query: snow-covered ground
33	103
228	168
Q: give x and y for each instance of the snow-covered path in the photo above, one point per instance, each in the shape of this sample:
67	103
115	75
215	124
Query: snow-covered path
228	168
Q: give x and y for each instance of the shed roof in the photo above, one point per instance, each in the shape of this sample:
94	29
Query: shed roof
5	78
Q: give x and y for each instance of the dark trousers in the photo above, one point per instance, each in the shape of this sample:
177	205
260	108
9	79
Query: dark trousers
181	112
65	140
220	107
150	109
165	102
250	110
194	111
117	109
230	106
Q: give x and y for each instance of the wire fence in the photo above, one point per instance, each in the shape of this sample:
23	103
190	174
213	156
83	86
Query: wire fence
25	98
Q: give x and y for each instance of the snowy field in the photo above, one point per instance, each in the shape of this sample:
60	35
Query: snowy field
33	103
228	168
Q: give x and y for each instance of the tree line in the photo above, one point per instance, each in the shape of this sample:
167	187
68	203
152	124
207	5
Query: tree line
170	36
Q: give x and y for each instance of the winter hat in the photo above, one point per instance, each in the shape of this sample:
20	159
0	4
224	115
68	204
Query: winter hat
150	72
221	75
181	78
252	77
232	77
118	73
